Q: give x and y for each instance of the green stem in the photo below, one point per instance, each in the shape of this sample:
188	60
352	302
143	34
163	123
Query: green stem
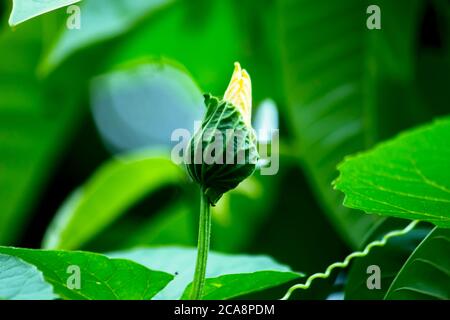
204	234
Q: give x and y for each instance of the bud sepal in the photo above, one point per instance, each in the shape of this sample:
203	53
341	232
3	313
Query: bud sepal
223	152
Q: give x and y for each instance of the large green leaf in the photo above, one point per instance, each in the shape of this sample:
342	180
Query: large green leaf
100	277
143	103
406	177
22	281
100	20
330	59
426	274
114	187
35	124
234	285
181	262
389	259
24	10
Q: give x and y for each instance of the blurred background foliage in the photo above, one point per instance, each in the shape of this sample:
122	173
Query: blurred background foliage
86	118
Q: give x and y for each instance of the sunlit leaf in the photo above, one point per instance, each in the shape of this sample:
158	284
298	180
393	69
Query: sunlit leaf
100	277
22	281
24	10
234	285
141	105
406	177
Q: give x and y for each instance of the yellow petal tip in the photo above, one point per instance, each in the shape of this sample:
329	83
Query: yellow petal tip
239	91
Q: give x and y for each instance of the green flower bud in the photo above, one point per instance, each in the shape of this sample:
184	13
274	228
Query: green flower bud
223	152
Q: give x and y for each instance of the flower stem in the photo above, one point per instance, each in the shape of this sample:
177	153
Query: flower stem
204	234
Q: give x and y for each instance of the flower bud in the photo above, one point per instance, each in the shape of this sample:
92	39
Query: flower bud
223	152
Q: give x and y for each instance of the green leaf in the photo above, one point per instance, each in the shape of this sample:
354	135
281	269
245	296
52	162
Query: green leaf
22	281
29	109
100	277
181	262
142	103
113	188
406	177
389	259
235	285
24	10
331	87
426	274
100	20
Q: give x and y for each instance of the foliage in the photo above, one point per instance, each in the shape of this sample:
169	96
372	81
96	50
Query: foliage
406	177
86	117
425	275
104	278
25	10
